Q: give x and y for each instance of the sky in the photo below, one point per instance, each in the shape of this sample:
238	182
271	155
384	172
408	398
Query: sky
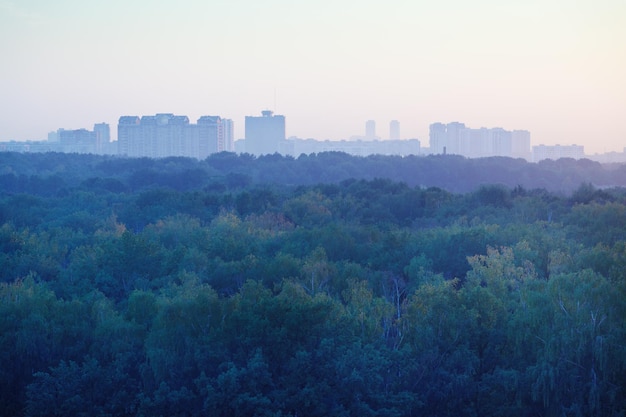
554	67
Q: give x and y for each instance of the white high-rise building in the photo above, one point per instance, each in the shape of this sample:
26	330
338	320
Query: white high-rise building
453	137
456	138
394	130
437	134
370	130
501	140
103	136
520	141
210	136
229	135
166	134
265	134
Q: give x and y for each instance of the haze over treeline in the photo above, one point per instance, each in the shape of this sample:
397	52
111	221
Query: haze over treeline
52	172
325	285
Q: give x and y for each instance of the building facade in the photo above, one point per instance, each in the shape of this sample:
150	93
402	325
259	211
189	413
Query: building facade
228	127
264	134
554	152
166	134
438	141
102	131
370	130
458	139
520	144
77	141
359	147
394	130
96	141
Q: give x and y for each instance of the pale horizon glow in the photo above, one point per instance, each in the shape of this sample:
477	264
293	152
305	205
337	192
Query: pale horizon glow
555	68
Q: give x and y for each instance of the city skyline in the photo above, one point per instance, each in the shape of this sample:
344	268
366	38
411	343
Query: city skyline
168	135
553	68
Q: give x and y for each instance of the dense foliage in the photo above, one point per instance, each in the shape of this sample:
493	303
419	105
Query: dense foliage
317	286
48	174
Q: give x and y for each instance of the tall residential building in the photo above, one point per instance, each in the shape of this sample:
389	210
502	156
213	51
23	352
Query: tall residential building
520	141
437	135
264	134
394	130
103	136
456	138
54	136
128	134
210	136
162	135
501	140
96	141
229	136
453	137
370	130
78	141
166	134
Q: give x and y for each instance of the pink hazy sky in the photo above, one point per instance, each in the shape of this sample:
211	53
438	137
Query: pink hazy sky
553	67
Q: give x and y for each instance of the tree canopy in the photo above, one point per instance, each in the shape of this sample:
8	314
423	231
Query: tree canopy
319	285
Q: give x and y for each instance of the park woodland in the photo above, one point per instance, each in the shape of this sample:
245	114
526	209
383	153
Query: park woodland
319	285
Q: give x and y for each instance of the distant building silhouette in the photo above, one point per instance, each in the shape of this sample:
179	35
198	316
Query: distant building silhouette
555	152
394	130
166	134
438	138
453	137
456	138
264	134
520	144
608	157
356	147
370	130
54	136
209	136
228	143
78	141
128	135
102	132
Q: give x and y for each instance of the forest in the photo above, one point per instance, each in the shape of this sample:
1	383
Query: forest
323	285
